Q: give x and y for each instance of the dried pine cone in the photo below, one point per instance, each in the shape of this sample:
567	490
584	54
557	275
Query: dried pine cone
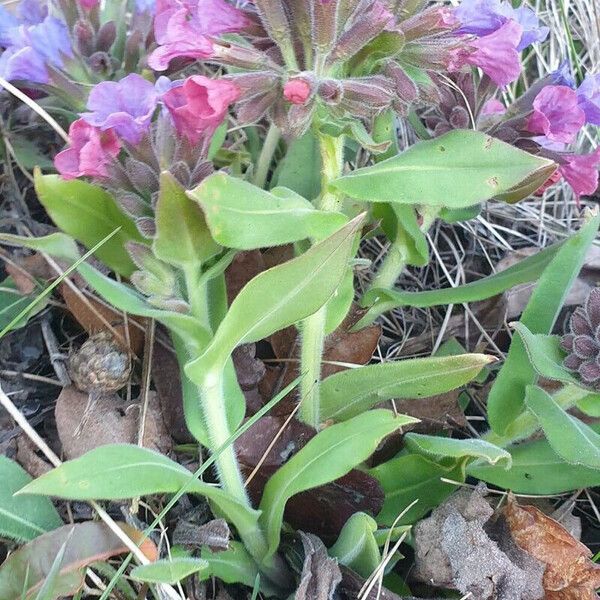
100	365
583	341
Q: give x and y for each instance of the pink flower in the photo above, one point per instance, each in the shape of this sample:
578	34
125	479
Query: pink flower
199	106
184	28
581	172
90	152
495	54
493	107
556	114
554	178
89	4
297	91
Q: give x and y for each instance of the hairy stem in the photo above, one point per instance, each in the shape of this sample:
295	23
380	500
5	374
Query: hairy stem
313	327
266	156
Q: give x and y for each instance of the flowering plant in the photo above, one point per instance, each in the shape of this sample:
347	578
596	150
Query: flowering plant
202	130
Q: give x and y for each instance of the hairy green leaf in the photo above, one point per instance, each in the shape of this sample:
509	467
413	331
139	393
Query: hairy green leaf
169	570
507	396
58	245
458	169
243	216
351	392
22	518
89	214
331	454
12	303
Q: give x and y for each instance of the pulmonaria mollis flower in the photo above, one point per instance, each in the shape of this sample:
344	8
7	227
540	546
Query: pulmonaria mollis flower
90	152
199	106
588	95
583	341
89	4
556	114
297	90
185	28
581	172
126	106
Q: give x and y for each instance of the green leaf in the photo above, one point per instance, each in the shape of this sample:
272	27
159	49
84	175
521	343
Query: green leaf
537	469
279	297
22	518
88	213
356	546
169	570
442	447
58	245
126	298
243	216
29	155
48	591
120	471
331	454
182	236
411	477
590	405
351	392
570	438
507	396
546	356
458	169
12	303
24	573
529	269
300	170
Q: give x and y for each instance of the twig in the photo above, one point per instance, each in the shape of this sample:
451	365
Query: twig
55	356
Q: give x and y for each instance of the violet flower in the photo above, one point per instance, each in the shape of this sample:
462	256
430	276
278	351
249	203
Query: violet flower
90	152
581	172
32	12
183	28
556	114
126	106
199	106
588	95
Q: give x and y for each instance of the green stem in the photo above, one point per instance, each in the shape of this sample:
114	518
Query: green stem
313	327
197	293
527	423
266	156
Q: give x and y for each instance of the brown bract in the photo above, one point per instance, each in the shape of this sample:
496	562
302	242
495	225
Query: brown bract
569	574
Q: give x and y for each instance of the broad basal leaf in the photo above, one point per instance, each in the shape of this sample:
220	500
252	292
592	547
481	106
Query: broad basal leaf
331	454
24	572
280	297
169	570
119	471
458	169
351	392
570	438
243	216
506	398
89	214
57	245
440	447
22	518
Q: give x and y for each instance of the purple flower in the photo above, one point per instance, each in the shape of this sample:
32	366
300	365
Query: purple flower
556	114
483	17
8	24
32	12
563	75
185	27
126	106
145	6
588	96
581	172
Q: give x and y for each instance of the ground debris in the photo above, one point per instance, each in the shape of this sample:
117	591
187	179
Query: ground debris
320	573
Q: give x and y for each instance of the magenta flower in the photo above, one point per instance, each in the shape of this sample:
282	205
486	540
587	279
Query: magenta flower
556	114
183	28
89	4
297	91
493	107
495	54
199	106
581	172
90	152
126	106
588	95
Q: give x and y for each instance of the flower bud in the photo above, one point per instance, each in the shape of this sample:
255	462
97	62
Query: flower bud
101	63
432	21
84	36
324	24
106	36
459	118
330	91
252	109
406	89
367	96
298	90
254	83
243	57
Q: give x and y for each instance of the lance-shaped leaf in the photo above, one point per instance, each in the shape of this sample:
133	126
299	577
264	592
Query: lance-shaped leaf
182	236
507	396
119	471
331	454
441	447
22	518
243	216
279	297
351	392
537	469
529	269
58	245
169	570
89	214
458	169
26	570
570	438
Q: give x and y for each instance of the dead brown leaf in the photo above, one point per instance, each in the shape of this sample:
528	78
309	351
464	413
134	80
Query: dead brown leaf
214	534
570	574
320	574
25	270
245	266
